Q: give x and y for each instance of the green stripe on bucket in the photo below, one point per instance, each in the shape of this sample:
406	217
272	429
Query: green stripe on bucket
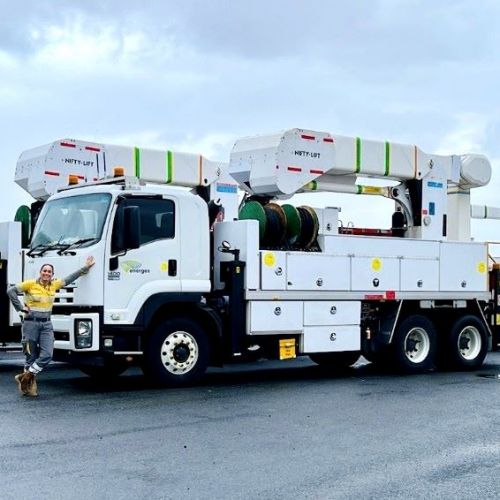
387	158
358	155
170	167
137	162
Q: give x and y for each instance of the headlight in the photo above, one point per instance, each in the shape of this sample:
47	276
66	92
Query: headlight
83	333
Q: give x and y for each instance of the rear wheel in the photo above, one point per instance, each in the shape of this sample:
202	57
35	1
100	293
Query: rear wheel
414	344
177	353
466	345
335	360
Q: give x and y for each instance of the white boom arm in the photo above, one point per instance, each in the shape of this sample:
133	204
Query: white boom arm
42	171
281	165
296	160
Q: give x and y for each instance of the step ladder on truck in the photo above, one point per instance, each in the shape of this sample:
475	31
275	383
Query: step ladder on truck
190	274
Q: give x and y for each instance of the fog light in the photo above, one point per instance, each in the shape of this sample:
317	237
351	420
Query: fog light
108	342
83	333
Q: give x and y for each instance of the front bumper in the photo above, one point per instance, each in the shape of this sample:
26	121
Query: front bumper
65	333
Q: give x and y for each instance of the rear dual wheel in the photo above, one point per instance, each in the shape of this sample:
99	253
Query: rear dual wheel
466	345
414	344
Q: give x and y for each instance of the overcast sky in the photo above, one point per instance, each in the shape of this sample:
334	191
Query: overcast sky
196	75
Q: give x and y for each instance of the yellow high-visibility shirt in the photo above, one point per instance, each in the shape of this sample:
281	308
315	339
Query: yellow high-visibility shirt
40	297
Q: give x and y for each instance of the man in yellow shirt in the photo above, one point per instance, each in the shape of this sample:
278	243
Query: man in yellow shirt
38	334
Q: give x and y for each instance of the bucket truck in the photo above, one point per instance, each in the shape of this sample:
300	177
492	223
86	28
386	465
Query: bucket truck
187	275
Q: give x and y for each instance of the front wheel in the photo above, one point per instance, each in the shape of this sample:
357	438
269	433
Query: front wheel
177	353
466	345
414	344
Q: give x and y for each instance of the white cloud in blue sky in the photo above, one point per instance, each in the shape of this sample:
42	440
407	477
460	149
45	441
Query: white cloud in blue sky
195	75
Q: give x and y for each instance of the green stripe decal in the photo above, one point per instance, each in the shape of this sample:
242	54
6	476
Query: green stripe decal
170	167
359	189
358	155
387	158
137	162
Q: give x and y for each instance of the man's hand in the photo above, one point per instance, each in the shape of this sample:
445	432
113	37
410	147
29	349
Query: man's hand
90	261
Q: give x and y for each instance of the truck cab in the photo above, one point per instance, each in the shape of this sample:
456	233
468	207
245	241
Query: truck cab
151	246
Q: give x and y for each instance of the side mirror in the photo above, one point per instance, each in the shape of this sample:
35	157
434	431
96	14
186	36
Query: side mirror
131	227
224	246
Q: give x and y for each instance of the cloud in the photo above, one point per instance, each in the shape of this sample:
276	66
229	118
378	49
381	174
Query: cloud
195	75
467	136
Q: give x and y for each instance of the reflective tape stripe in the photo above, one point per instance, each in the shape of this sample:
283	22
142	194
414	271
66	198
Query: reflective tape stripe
137	162
170	166
358	155
387	158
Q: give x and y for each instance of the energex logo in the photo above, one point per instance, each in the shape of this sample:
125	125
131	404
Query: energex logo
134	267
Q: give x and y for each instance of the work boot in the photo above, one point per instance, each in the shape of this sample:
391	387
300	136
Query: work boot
32	388
25	381
18	378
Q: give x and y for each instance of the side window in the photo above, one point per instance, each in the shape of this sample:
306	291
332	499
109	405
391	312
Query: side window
157	220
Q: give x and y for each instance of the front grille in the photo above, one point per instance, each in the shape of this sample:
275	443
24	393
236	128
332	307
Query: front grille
65	295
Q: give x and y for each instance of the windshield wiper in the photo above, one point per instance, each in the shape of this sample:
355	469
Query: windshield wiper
41	249
75	244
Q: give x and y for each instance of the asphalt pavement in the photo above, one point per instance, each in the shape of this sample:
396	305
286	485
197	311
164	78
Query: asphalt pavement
267	430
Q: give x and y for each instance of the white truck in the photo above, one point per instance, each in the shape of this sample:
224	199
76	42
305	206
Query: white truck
189	275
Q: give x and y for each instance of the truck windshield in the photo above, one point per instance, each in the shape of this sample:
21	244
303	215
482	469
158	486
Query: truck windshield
72	221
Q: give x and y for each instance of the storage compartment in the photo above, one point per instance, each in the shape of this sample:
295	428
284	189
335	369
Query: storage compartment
464	267
419	275
331	338
273	270
332	313
275	317
317	272
376	274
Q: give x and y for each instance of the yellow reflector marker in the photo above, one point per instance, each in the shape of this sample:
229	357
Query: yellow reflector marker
287	349
269	259
481	268
376	264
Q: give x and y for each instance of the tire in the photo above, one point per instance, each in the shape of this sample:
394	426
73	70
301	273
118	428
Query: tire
466	345
335	360
176	354
108	371
414	344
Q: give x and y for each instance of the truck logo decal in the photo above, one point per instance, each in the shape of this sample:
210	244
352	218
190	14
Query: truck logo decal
134	267
226	188
113	275
307	154
76	161
434	184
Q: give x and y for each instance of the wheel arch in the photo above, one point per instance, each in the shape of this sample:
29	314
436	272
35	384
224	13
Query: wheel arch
206	318
442	321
